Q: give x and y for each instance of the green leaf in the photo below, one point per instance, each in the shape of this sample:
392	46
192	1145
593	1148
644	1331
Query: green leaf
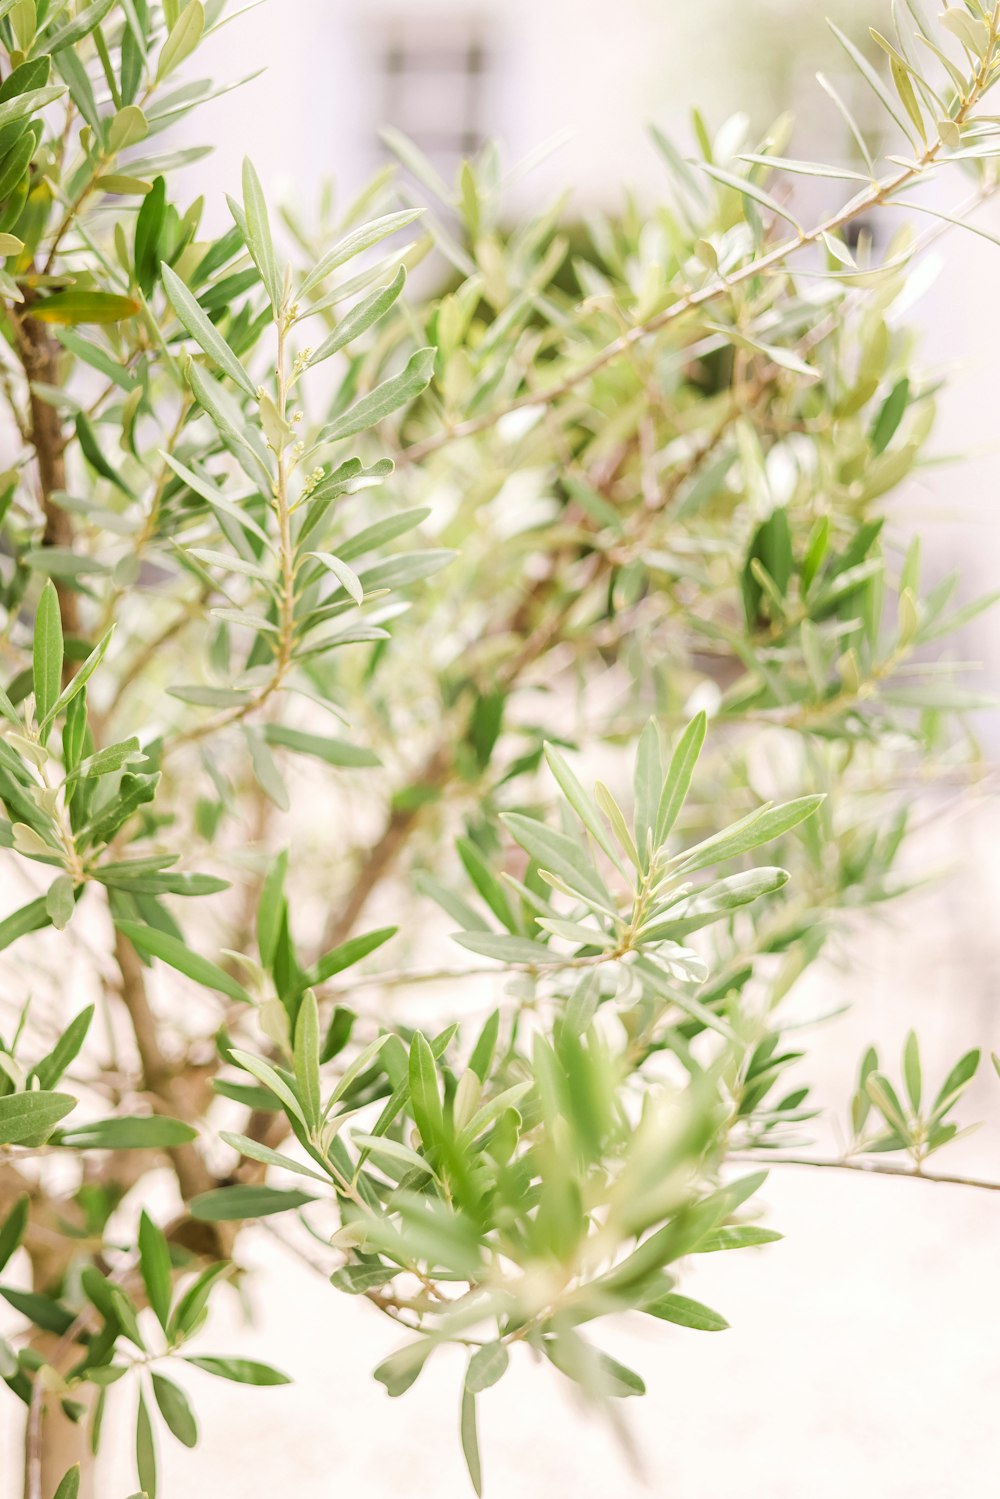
711	902
360	318
145	1450
911	1069
244	444
127	127
98	358
883	1095
685	1312
361	1064
30	918
485	881
350	952
354	243
106	761
971	32
487	1365
770	548
958	1078
613	1379
52	1066
203	331
736	1236
240	1370
392	1150
30	1118
263	1153
648	782
140	1132
60	901
581	803
148	228
266	1074
259	241
27	75
154	1264
377	535
271	909
333	751
346	577
338	1032
237	1203
156	944
470	1439
82	676
805	168
425	1097
507	949
870	76
401	1369
384	399
47	652
557	853
175	1408
69	1485
190	1310
679	776
43	1311
907	94
759	827
9	1366
307	1057
27	103
13	1229
890	415
355	1280
127	1314
482	1053
750	190
182	38
82	25
72	307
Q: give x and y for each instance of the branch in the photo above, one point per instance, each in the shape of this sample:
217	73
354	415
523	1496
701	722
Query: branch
159	1077
868	1168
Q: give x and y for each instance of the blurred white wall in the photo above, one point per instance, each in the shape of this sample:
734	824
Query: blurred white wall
585	71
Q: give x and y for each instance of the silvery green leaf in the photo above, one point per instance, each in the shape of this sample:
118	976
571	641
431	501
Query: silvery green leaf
267	1157
750	190
384	399
203	330
182	38
354	243
258	235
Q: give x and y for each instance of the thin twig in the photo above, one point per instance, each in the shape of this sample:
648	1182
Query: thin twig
868	1168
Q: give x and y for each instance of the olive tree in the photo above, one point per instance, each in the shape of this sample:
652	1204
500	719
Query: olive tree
323	601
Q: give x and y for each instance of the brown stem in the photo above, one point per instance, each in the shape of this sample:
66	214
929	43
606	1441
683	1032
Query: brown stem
160	1078
40	356
53	1443
382	854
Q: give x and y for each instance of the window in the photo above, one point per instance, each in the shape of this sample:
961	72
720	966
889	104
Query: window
434	82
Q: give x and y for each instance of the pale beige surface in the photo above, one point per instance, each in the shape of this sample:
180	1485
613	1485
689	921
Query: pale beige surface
864	1359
